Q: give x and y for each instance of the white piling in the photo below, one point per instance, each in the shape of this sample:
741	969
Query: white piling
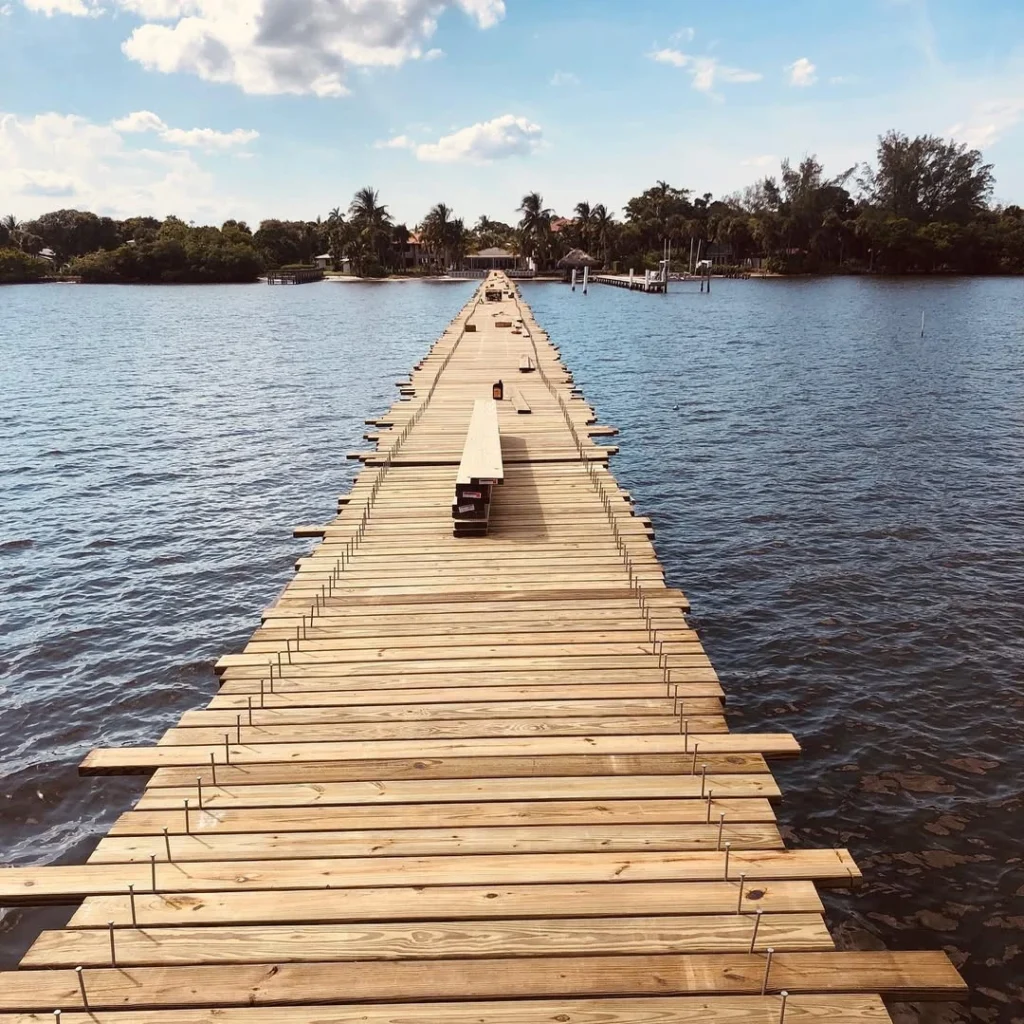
574	279
586	278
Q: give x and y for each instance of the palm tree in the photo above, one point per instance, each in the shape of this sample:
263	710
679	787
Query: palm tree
535	224
435	231
584	218
372	222
9	229
365	208
602	224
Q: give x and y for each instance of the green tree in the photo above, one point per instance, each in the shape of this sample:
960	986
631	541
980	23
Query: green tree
928	179
17	267
535	227
371	225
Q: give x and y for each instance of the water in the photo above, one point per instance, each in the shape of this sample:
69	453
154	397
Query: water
841	499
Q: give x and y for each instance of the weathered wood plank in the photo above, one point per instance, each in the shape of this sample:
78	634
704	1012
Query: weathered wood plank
896	975
113	759
453	903
69	883
318	817
319	943
209	845
320	796
810	1009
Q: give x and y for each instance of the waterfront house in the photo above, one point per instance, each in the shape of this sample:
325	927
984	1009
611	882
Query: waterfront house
492	258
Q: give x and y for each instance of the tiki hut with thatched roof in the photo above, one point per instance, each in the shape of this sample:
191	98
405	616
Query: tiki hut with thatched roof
576	259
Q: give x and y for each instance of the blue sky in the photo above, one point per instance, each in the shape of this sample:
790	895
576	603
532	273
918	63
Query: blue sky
254	108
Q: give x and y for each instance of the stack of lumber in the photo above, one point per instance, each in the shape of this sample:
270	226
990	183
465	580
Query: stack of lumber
480	471
460	783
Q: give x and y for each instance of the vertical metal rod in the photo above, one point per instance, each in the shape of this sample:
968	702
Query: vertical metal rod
199	791
213	768
131	903
81	986
707	816
757	924
725	874
227	749
249	701
686	733
703	778
721	825
113	951
238	729
782	1008
152	870
693	769
167	841
739	901
261	693
188	828
767	970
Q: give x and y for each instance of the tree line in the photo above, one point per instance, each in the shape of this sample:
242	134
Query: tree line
923	206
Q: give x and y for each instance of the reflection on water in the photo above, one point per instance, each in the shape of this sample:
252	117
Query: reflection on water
842	500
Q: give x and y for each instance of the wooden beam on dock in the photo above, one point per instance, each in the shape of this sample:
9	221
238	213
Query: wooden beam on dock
485	780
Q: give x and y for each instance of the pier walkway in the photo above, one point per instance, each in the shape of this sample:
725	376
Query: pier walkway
482	780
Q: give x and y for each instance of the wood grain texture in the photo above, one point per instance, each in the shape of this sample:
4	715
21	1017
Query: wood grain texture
806	1009
895	975
452	903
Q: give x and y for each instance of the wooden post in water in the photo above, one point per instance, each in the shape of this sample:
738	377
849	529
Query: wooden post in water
586	277
574	279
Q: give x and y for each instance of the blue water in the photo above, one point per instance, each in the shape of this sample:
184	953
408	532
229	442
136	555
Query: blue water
841	499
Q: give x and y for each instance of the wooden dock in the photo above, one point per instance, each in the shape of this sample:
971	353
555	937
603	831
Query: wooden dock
655	285
295	275
460	780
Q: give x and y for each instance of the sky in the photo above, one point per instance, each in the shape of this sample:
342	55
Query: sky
217	109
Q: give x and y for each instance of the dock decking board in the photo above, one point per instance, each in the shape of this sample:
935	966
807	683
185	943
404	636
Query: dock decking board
446	771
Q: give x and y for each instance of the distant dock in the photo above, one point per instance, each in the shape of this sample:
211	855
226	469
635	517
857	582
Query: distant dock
652	283
295	275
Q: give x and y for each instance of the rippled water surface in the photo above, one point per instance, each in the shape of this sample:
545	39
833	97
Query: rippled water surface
841	499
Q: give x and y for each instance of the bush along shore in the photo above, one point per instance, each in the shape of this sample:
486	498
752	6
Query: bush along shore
924	205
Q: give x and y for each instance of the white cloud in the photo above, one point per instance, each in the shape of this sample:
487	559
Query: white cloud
684	35
209	138
279	46
481	143
704	71
564	78
764	160
139	121
91	166
398	142
160	10
63	159
76	8
802	72
988	122
206	138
